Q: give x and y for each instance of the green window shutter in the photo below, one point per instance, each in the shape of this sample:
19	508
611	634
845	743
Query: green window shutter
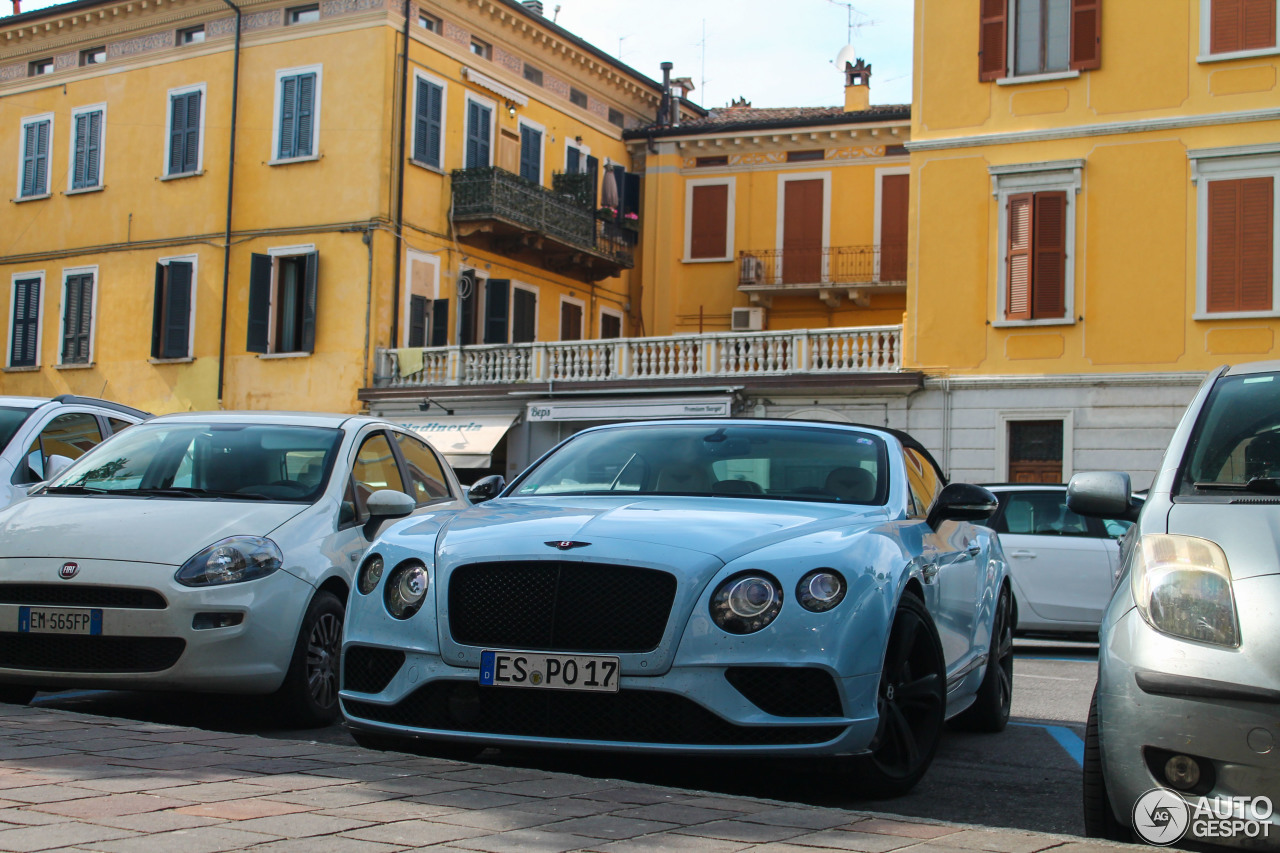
469	297
191	136
305	144
26	320
35	159
309	302
177	321
288	117
421	122
524	320
530	154
177	131
158	313
77	319
593	169
496	310
93	151
435	125
79	167
259	326
418	321
440	323
477	150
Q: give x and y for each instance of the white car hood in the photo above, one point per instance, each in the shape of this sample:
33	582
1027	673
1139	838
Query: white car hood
147	530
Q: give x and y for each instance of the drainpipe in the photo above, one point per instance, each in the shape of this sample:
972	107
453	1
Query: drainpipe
399	235
231	178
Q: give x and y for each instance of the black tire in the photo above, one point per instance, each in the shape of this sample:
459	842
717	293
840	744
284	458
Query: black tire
451	750
1099	820
308	697
16	694
990	709
912	705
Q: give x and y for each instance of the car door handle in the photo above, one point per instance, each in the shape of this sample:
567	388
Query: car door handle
1024	555
928	572
974	550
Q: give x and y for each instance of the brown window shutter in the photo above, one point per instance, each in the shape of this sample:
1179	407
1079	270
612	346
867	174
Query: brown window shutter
1258	24
1086	34
993	39
1256	243
1048	274
710	221
1222	261
1225	18
1018	280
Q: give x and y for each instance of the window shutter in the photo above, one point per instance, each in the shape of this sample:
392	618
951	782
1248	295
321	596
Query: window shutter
709	220
1256	243
570	322
177	321
525	319
571	157
190	142
1048	277
417	321
311	278
469	298
1258	24
421	123
1018	278
305	145
177	133
435	118
1226	18
440	323
29	155
77	320
593	169
92	150
477	155
158	312
260	269
630	186
42	157
26	319
79	167
288	116
1222	261
993	40
496	310
1086	34
530	154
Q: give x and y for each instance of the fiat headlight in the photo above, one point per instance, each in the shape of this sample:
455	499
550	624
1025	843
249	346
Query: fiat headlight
233	560
1182	585
746	602
406	589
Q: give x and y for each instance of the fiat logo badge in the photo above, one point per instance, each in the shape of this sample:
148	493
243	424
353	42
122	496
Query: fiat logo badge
68	571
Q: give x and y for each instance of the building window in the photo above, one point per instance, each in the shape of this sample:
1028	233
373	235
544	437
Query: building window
191	35
174	305
1029	37
708	231
806	156
533	75
86	149
186	118
479	141
426	318
1035	451
530	152
577	97
282	302
1239	25
1037	240
570	319
77	318
494	311
39	66
711	162
302	15
481	48
1238	229
616	117
93	56
428	122
36	135
297	122
430	23
24	328
610	324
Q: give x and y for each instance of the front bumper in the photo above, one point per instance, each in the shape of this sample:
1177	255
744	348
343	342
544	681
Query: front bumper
1159	696
150	647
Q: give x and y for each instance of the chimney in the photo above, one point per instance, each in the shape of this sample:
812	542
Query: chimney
665	106
857	86
534	6
17	9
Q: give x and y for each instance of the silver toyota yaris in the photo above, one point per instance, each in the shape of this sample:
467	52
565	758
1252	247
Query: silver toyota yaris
1183	739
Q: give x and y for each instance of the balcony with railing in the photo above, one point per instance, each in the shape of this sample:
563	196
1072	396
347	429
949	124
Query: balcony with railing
721	355
829	272
516	217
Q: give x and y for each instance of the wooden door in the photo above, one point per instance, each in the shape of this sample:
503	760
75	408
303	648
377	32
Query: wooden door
893	228
802	232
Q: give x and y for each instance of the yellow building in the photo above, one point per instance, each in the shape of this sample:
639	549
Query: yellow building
1093	224
371	205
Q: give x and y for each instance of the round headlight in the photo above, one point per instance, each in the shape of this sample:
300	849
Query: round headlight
370	574
406	589
820	590
232	560
746	603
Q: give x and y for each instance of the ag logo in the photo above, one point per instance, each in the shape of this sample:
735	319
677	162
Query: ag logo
1160	816
68	571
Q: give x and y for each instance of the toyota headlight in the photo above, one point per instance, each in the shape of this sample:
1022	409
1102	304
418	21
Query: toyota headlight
233	560
746	602
1182	585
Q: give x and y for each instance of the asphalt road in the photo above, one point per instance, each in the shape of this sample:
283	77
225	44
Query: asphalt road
1026	777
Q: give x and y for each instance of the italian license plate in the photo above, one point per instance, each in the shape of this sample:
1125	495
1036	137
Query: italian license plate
594	673
56	620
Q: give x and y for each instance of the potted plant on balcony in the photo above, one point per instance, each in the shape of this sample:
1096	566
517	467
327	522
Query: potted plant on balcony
630	221
607	214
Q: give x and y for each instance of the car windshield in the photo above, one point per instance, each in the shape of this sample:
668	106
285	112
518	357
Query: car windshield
10	421
207	460
748	461
1235	445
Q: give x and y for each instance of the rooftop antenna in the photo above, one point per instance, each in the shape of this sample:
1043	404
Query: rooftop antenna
703	44
848	49
555	14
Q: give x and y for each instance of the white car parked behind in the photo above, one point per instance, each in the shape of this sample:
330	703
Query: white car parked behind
206	551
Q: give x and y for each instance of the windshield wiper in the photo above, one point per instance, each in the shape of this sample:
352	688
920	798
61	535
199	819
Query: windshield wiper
1257	485
74	490
175	492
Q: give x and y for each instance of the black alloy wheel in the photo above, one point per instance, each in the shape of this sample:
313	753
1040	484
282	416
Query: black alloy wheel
323	649
912	704
309	694
990	709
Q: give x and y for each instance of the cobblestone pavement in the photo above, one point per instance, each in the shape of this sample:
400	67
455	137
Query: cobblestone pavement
74	782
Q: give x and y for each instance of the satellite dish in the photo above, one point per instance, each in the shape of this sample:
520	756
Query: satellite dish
846	55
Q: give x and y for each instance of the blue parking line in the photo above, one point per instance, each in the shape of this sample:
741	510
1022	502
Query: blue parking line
1067	739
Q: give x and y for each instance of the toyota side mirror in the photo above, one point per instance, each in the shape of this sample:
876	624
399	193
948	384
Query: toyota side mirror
1103	494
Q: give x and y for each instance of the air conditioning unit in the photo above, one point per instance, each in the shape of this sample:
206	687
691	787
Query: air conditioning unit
747	319
752	270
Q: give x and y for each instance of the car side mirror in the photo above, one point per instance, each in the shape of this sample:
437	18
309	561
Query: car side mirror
55	465
385	504
486	488
1103	494
962	502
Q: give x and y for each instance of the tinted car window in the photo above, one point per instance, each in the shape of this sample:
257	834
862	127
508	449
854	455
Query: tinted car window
10	421
1237	437
426	477
118	425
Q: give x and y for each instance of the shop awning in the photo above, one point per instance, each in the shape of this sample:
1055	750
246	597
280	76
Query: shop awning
467	441
714	406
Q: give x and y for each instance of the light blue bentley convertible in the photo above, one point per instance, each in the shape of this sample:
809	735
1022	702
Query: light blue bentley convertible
726	587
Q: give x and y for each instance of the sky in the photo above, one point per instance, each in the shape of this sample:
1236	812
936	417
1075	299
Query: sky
774	53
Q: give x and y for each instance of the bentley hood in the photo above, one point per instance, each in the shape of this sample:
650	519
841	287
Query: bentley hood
148	530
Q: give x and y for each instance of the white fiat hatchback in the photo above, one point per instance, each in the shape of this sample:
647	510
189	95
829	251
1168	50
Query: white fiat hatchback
207	552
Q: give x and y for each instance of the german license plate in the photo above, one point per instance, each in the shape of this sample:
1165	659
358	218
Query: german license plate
594	673
56	620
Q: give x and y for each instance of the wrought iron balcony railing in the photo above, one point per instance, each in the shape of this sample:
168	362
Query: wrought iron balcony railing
530	217
869	349
832	265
